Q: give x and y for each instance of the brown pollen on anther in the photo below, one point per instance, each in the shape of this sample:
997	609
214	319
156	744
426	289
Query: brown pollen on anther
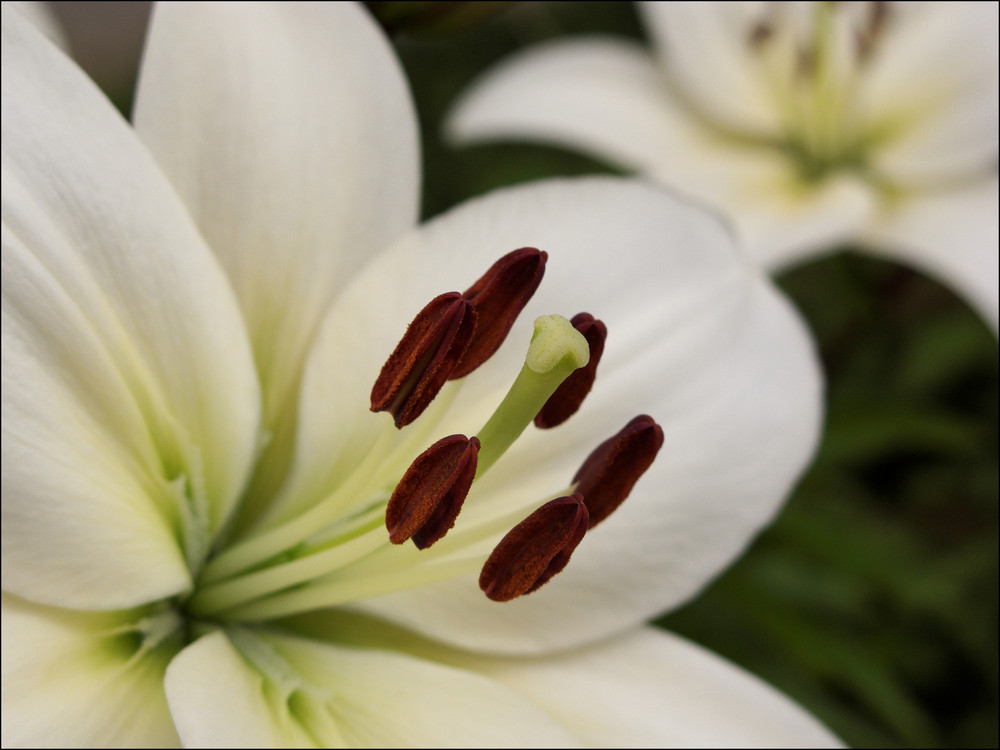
426	502
535	550
567	398
612	469
499	296
424	358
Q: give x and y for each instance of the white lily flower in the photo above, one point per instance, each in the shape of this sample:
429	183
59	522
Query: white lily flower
194	313
809	124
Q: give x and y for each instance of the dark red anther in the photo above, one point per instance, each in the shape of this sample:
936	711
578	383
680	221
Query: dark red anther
570	394
499	296
427	499
535	550
424	358
612	469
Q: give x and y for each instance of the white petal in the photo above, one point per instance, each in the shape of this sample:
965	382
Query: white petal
126	369
782	219
41	14
697	339
951	235
74	679
934	87
218	700
605	96
288	130
706	50
649	688
316	694
609	99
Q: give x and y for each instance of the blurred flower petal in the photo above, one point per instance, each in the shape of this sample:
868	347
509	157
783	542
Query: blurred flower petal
807	124
946	127
951	235
707	55
43	16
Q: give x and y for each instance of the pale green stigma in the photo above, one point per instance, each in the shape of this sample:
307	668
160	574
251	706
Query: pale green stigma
555	351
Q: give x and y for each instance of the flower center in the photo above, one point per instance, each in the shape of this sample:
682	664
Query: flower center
352	544
813	57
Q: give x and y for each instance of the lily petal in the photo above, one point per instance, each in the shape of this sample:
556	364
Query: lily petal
288	130
649	688
693	331
950	234
705	49
606	96
40	13
944	127
217	699
783	220
129	399
75	679
610	99
316	694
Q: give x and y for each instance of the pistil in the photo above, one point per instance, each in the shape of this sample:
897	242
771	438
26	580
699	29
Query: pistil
568	397
555	351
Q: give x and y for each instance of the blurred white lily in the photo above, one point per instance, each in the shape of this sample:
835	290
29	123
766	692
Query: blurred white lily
809	124
194	312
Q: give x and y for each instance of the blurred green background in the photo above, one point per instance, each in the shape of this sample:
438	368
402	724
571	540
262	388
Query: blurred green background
872	600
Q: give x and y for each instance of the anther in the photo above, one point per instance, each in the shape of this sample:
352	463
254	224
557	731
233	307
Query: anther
564	403
427	499
424	358
612	469
535	550
499	296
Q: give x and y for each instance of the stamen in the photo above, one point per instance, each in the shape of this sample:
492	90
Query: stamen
868	35
760	33
564	403
427	499
612	469
535	550
499	296
424	358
